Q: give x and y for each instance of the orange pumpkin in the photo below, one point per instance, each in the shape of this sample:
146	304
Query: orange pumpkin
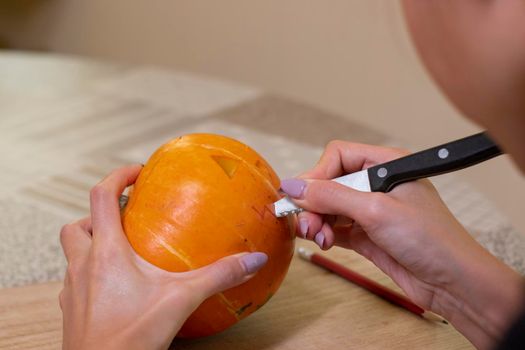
199	198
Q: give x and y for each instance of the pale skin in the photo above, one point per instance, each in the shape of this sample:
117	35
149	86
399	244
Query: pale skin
411	235
475	50
113	299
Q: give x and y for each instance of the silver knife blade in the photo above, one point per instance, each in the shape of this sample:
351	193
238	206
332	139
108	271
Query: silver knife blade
358	181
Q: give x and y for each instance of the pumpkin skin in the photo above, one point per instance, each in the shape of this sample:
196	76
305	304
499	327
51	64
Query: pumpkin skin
201	197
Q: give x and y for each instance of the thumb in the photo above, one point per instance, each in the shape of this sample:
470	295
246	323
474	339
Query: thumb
227	272
329	197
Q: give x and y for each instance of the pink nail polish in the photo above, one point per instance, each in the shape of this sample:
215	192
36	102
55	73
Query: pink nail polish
319	239
303	227
253	262
293	187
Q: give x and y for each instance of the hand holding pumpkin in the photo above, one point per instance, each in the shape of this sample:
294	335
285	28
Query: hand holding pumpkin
112	298
410	234
201	197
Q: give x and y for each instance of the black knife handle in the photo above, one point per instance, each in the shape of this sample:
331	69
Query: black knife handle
442	159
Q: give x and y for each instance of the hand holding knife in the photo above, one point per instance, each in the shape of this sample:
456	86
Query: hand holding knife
438	160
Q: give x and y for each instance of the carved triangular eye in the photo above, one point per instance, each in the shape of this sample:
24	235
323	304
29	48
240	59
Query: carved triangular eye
229	165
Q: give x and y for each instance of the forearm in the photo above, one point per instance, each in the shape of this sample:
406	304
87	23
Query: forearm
485	303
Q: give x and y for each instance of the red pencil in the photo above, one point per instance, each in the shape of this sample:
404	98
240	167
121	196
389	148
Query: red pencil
368	284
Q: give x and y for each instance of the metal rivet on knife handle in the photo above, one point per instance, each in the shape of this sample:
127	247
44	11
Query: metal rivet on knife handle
382	172
443	153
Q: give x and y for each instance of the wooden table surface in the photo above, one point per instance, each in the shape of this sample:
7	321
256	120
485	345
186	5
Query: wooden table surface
66	122
314	309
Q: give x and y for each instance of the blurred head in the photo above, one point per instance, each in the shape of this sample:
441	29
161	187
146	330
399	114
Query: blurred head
475	50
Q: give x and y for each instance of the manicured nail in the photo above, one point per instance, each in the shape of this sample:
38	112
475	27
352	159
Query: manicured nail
319	239
303	226
253	262
293	187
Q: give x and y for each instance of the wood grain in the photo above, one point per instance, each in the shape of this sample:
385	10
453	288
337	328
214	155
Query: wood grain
314	309
30	317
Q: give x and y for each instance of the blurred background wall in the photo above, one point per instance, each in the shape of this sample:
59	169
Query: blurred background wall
350	57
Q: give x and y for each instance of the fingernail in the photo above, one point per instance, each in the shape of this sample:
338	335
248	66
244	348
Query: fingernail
303	227
319	239
293	187
253	262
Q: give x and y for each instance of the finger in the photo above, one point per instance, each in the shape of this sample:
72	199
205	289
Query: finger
361	243
355	238
75	241
343	221
329	197
325	237
342	157
313	223
309	224
226	273
342	237
86	225
104	197
337	233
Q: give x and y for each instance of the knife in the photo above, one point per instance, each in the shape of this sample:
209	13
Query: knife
437	160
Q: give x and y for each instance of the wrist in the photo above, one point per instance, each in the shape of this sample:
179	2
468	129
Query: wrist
486	300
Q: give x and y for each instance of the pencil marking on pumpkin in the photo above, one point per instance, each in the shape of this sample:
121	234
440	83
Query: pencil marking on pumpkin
240	224
248	243
229	306
243	308
262	214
